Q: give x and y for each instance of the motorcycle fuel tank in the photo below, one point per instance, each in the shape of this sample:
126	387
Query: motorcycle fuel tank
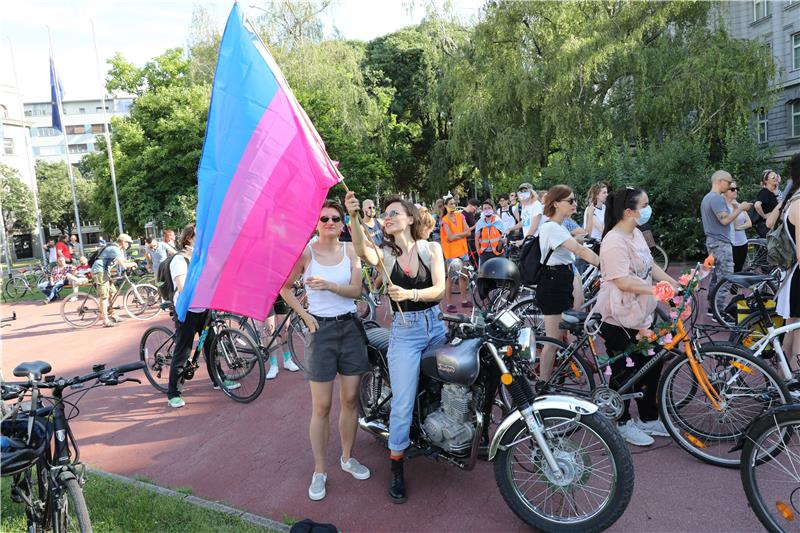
454	362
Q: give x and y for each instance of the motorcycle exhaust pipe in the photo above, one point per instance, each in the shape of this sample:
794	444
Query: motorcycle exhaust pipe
374	427
476	442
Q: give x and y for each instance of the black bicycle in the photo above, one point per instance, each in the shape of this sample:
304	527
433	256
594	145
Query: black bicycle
39	450
238	362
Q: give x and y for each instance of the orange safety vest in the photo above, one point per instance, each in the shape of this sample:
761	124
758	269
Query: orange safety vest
458	247
489	239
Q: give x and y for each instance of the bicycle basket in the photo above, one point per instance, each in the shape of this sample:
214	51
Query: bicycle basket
17	453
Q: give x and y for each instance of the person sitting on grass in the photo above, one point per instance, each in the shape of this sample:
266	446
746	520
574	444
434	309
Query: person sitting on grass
58	277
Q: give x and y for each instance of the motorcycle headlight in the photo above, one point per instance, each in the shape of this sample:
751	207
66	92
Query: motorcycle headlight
508	319
524	343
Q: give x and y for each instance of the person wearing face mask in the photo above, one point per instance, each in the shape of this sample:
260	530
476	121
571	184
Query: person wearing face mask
489	233
626	301
532	210
766	200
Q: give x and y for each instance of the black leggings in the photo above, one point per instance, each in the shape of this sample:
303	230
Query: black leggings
184	338
739	257
617	339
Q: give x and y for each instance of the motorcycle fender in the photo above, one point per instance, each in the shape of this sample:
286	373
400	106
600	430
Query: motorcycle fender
564	403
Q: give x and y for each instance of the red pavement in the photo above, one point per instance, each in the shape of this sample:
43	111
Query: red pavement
257	456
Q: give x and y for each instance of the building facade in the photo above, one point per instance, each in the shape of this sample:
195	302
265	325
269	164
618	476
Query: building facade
775	23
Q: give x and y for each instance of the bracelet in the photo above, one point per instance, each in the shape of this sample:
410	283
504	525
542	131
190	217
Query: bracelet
416	295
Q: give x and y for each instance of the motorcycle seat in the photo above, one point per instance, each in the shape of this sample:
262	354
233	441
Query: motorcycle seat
378	338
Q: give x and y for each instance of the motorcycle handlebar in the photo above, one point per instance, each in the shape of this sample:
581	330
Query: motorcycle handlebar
458	319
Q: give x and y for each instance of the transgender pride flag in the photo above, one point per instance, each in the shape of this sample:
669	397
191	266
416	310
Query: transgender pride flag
263	177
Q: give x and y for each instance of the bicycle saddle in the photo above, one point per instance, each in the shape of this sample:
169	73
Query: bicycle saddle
577	317
747	279
37	368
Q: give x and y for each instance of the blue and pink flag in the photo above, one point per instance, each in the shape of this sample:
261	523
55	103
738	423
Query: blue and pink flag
262	179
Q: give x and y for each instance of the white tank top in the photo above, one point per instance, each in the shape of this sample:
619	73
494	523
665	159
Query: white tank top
326	303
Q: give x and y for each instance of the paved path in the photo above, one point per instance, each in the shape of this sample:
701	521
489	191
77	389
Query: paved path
257	456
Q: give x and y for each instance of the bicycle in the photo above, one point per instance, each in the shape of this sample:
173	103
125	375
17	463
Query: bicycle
707	394
756	260
660	256
770	468
727	295
40	452
22	280
141	302
242	359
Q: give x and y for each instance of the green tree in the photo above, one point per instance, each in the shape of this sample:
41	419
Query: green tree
16	199
55	195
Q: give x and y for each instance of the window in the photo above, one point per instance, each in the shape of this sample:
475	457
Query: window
78	148
48	150
8	146
763	126
98	128
81	110
761	9
44	132
796	118
796	50
99	109
76	130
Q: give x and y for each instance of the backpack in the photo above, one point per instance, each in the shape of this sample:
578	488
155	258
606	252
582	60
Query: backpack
164	278
96	254
530	261
780	247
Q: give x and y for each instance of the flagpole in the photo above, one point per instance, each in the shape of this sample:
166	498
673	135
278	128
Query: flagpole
105	128
28	155
66	144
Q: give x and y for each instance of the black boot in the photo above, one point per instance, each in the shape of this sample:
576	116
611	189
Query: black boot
397	489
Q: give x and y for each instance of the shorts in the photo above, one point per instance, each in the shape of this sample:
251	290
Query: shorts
464	258
337	347
554	291
105	285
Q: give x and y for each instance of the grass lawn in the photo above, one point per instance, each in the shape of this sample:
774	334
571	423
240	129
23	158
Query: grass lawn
118	507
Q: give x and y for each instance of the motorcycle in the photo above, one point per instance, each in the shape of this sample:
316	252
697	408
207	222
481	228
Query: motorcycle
558	463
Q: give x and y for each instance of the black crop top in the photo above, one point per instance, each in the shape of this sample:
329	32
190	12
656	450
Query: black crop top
423	280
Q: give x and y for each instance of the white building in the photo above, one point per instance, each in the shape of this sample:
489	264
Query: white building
83	120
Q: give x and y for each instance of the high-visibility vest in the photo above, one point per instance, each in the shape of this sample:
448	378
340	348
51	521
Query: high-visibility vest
489	239
458	247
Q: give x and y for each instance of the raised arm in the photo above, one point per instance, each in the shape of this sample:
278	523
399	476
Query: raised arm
361	240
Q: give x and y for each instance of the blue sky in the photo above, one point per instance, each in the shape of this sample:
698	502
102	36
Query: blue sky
143	29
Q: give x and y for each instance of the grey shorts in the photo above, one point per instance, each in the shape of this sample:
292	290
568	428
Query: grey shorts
337	348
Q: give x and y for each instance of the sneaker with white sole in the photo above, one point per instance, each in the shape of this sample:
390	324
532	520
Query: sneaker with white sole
654	428
273	372
289	365
230	385
354	468
176	402
316	491
633	435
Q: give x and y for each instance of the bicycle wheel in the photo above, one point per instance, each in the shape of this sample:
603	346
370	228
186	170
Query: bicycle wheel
142	302
528	311
756	260
81	310
746	388
365	307
751	330
725	299
239	322
660	257
299	339
16	288
71	513
770	468
237	359
155	351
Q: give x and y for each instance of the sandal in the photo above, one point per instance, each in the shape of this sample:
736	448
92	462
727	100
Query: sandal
109	324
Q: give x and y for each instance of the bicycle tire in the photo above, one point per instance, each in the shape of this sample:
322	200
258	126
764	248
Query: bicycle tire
72	500
157	356
721	310
752	446
299	340
146	306
684	427
16	288
660	257
528	311
243	323
81	311
244	364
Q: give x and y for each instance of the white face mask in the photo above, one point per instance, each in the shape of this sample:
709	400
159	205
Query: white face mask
525	196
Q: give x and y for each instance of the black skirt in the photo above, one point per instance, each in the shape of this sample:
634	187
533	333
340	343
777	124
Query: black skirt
554	291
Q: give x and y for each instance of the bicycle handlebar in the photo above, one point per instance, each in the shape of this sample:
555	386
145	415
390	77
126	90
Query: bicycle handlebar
105	375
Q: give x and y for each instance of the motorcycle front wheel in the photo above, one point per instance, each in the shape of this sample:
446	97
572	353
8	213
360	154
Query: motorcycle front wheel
596	481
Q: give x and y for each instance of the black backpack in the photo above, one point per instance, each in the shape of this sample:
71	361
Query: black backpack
530	261
96	254
164	278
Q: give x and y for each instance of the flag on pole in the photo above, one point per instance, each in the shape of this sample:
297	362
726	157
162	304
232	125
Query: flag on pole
262	179
55	85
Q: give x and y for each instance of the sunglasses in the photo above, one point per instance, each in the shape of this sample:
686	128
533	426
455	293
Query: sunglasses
570	200
393	213
325	220
734	189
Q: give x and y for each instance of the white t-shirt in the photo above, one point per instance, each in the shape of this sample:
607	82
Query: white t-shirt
551	237
738	237
600	217
529	213
52	255
178	267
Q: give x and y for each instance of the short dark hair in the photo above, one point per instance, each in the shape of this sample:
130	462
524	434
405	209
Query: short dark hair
149	240
474	201
333	204
503	196
488	201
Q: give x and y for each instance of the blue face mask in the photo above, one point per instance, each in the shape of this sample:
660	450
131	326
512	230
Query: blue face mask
644	215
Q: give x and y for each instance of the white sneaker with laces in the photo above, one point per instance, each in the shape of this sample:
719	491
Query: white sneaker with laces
273	371
654	428
289	365
354	468
316	491
633	435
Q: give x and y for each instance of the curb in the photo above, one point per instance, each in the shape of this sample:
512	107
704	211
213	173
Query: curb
260	521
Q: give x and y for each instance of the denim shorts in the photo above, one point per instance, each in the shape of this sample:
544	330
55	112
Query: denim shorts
337	348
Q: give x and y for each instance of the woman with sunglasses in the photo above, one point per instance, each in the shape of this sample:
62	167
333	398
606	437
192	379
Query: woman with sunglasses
766	201
738	234
331	273
416	270
554	293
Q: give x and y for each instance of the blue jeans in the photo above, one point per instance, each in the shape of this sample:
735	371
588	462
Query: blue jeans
421	330
50	291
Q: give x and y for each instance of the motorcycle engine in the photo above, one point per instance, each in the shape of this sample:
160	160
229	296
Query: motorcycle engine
450	427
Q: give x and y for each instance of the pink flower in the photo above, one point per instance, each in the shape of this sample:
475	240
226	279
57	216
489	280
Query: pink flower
608	371
687	312
628	362
663	291
666	339
673	316
685	279
677	300
645	333
651	352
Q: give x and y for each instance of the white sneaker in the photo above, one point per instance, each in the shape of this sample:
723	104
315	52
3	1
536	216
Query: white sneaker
354	468
654	428
288	364
273	372
633	435
316	491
